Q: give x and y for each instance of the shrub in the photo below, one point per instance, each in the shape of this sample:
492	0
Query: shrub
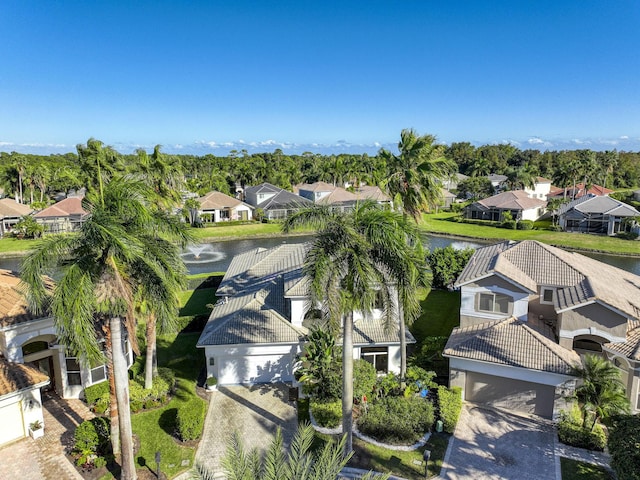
571	431
450	406
627	235
190	419
624	445
509	224
397	420
91	439
418	379
212	381
388	385
364	379
446	264
96	392
525	225
328	413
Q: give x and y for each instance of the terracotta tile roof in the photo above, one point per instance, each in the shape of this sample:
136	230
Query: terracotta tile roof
630	348
64	208
513	343
579	191
11	208
218	201
17	376
512	200
13	305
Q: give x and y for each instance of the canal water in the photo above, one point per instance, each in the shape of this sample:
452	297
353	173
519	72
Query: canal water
216	256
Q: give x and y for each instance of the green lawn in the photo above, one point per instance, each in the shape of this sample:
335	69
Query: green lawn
575	470
440	314
440	223
236	230
194	302
13	245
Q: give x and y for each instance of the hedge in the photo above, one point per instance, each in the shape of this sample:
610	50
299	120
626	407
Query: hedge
328	413
450	405
624	445
397	420
91	441
190	419
571	432
364	379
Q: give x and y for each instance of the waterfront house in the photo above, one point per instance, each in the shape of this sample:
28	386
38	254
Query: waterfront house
217	207
64	216
596	214
275	202
517	202
11	212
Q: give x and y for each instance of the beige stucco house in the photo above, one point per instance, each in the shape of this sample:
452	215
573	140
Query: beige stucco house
517	202
217	207
64	216
10	213
528	310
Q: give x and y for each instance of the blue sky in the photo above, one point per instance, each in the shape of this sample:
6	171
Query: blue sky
206	76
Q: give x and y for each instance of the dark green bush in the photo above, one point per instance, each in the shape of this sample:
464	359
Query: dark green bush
450	406
627	235
190	419
397	420
95	392
364	379
328	413
525	225
91	439
417	379
388	385
624	445
446	264
509	224
572	433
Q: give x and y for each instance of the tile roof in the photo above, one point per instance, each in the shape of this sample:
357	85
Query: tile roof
11	208
284	199
263	187
18	376
579	279
317	187
64	208
630	348
513	343
372	331
13	305
338	195
590	204
511	200
371	192
579	191
218	201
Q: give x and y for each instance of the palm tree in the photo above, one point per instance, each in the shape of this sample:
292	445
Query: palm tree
601	393
355	259
124	248
415	175
299	464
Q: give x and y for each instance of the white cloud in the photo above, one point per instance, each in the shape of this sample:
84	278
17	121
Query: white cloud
624	137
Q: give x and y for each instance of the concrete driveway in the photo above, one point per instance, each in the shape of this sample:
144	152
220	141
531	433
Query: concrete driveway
255	412
491	444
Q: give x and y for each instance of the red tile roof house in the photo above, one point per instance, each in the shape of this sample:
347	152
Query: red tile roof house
10	213
65	216
528	311
572	193
29	340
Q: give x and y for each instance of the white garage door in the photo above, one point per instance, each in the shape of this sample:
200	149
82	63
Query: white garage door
509	394
11	421
254	369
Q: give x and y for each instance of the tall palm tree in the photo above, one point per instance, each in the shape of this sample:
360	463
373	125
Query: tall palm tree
124	248
416	174
600	393
355	259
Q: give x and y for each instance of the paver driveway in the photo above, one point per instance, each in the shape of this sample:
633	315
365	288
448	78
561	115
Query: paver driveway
255	412
491	444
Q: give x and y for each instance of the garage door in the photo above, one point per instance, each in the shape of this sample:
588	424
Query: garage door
11	421
254	369
506	393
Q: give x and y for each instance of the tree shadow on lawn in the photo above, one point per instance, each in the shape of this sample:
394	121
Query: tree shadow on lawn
168	421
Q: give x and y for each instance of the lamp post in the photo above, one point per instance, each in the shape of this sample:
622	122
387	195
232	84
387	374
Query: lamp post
426	455
158	464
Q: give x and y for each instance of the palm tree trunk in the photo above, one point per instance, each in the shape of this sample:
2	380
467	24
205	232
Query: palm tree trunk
122	396
150	364
347	382
403	345
113	405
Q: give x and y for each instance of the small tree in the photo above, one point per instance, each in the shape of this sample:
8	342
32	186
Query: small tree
27	227
319	365
446	264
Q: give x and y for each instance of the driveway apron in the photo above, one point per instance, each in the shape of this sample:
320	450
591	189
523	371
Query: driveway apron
492	444
254	412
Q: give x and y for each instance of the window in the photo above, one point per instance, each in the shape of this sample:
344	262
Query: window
547	296
494	303
376	356
34	347
73	371
98	374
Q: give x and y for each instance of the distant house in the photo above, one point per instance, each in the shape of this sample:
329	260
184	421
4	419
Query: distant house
64	216
448	198
528	310
30	339
218	207
275	202
579	191
260	323
372	192
452	182
10	213
593	214
497	181
516	202
540	190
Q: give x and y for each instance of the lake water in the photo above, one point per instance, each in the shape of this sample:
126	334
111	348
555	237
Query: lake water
216	256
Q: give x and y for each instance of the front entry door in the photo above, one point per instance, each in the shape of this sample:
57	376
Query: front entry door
45	365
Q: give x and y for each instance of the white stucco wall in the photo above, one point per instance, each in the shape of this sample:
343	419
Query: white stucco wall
30	403
468	302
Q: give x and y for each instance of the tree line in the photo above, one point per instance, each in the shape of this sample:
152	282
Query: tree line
34	178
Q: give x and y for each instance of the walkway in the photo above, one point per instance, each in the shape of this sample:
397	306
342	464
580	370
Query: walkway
45	458
254	412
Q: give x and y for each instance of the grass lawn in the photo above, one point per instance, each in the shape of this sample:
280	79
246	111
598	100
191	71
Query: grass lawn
237	230
194	302
575	470
440	314
440	223
13	245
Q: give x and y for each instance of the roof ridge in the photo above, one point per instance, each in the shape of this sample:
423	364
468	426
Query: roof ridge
546	342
